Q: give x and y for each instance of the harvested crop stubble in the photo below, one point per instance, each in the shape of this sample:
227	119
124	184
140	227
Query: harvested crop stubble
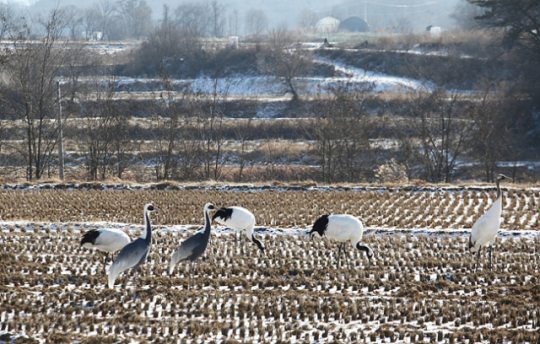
390	208
418	287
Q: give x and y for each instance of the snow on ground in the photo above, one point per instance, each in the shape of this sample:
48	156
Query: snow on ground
218	230
256	187
382	82
418	287
265	85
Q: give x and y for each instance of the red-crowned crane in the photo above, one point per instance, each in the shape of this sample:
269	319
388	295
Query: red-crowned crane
107	240
238	218
485	229
341	228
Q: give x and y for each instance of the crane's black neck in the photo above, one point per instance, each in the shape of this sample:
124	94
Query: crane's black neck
147	236
498	189
367	249
257	242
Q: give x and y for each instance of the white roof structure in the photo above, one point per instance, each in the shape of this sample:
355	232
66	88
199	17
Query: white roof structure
327	25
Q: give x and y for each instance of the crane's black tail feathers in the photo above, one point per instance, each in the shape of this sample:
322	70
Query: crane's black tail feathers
90	237
223	213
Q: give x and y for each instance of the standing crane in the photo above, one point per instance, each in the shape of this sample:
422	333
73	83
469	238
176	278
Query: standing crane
134	254
485	229
194	246
341	228
107	240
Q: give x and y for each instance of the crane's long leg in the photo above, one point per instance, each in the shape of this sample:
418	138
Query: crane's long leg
346	255
196	265
235	241
490	265
135	283
105	264
477	257
339	254
242	244
189	281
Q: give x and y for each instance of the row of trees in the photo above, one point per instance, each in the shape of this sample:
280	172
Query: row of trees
435	129
115	20
435	133
104	20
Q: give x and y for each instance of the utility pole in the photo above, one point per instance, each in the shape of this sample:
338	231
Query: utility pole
60	138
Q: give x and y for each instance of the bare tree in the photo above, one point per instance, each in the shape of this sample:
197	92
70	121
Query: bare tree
408	147
105	13
7	16
234	23
402	24
244	133
73	19
487	139
172	113
165	49
79	58
284	61
31	69
210	120
137	15
193	19
341	131
104	135
256	22
443	131
91	22
218	18
308	19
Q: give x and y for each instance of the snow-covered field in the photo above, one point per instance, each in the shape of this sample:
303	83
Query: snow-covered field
420	287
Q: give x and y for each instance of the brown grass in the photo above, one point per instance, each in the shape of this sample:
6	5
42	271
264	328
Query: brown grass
275	204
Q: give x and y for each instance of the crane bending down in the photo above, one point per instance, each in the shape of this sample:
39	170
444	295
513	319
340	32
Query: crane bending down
484	231
238	218
134	254
341	228
194	246
107	240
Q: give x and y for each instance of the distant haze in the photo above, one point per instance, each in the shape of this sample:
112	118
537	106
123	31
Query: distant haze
413	14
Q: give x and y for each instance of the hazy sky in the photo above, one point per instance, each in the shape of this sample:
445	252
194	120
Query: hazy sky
419	13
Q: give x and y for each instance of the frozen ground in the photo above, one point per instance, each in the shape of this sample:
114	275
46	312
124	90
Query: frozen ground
418	288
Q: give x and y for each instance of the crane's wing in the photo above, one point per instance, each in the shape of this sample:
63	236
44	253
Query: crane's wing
187	247
483	232
131	255
112	239
477	228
